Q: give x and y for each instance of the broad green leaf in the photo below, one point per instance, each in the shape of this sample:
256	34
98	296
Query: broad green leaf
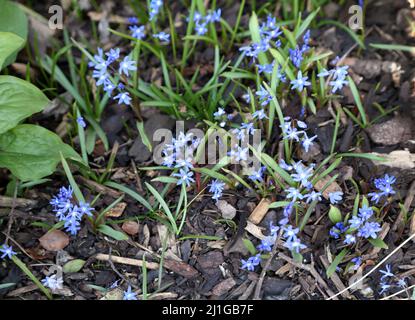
107	230
250	246
378	243
10	43
19	99
334	214
31	152
13	20
73	266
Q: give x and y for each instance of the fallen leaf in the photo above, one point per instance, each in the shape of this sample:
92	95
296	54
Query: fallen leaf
130	227
332	187
117	211
54	240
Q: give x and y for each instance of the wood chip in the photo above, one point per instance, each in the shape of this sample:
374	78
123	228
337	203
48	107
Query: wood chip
127	261
223	287
260	211
254	230
8	202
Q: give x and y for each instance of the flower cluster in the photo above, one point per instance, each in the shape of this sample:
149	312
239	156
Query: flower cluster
384	186
291	132
269	33
338	77
105	73
359	226
201	21
296	55
179	155
155	6
389	280
68	212
6	251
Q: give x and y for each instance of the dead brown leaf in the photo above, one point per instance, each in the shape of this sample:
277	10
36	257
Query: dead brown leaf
54	240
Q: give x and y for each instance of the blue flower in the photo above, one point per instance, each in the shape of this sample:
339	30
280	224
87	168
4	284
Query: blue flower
99	62
294	244
162	36
80	120
355	222
127	65
129	294
290	232
123	97
201	28
337	84
257	175
263	95
251	263
259	114
113	55
302	174
387	273
307	142
349	239
53	282
335	197
300	82
216	187
357	262
7	251
132	20
213	16
369	230
137	32
384	287
296	56
294	194
185	177
273	229
365	212
109	86
266	68
155	8
266	244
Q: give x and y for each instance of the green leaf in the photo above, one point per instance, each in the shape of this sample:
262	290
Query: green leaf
10	43
13	20
31	152
19	99
356	96
143	135
107	230
335	214
332	268
250	246
73	266
378	243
